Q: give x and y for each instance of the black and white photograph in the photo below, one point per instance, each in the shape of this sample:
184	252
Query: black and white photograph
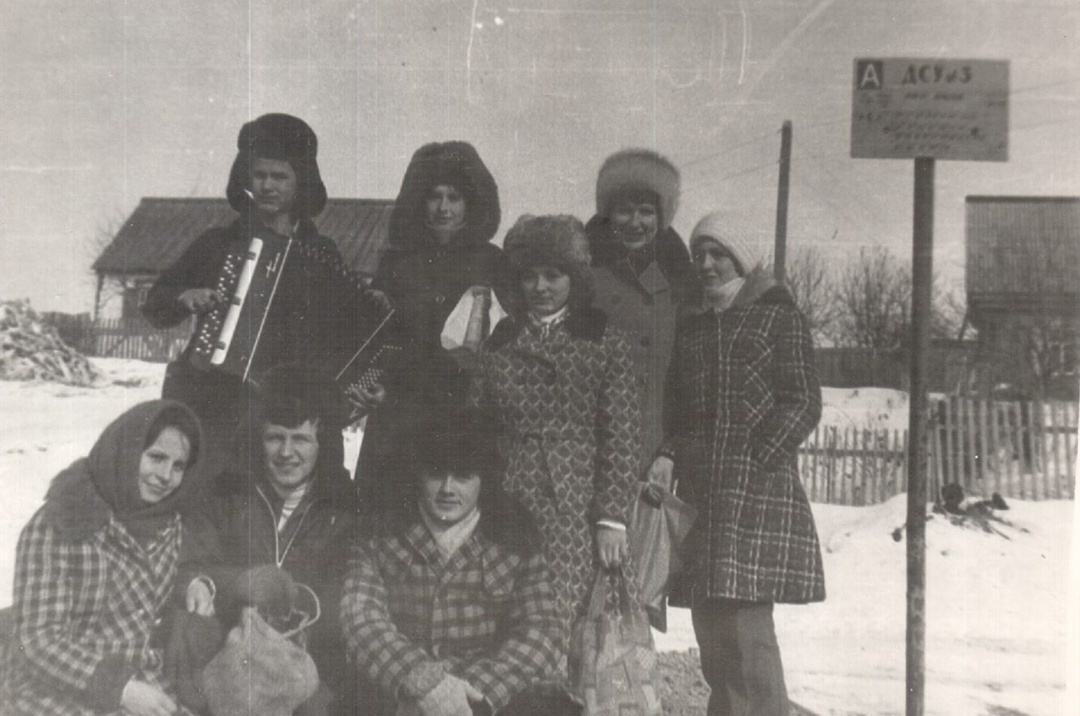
539	357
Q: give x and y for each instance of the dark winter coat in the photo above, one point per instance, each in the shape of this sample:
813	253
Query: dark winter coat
424	282
237	530
309	322
645	304
89	593
744	395
566	397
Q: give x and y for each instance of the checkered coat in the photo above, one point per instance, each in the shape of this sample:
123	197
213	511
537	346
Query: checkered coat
486	612
85	608
569	405
744	396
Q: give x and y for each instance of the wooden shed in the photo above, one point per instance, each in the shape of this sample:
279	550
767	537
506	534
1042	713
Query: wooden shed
1023	291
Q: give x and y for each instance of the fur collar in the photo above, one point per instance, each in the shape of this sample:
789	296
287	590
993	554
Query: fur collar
72	506
587	323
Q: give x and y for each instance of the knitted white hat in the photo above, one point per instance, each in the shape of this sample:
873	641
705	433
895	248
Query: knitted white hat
749	247
638	170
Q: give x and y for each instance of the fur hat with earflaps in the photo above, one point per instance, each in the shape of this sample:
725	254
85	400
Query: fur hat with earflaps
557	240
285	138
639	170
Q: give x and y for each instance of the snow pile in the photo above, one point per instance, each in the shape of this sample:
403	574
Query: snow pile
997	601
30	349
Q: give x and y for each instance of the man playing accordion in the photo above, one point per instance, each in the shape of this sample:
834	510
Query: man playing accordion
312	313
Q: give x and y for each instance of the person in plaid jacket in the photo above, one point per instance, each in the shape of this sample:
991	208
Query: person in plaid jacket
95	568
744	396
452	612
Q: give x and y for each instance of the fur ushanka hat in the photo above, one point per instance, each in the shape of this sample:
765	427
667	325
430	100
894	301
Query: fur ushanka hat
285	138
639	170
557	240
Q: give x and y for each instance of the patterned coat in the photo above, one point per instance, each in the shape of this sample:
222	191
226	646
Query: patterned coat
85	610
569	405
747	395
487	613
645	305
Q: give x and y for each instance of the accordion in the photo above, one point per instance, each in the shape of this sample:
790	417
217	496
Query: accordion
350	338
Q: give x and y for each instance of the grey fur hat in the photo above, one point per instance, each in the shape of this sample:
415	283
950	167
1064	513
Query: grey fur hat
556	240
639	170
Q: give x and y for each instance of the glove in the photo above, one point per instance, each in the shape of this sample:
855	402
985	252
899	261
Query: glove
450	697
268	588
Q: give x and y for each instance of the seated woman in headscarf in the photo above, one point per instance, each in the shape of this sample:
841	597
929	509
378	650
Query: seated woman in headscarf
95	568
440	249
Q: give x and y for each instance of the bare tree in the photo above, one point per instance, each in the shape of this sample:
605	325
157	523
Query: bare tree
811	286
873	299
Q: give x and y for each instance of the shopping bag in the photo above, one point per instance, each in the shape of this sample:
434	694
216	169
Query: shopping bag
261	670
612	660
658	528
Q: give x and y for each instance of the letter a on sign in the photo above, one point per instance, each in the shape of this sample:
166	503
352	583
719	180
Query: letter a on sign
869	74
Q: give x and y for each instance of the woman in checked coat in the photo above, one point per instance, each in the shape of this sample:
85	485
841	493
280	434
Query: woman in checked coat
744	395
562	383
95	568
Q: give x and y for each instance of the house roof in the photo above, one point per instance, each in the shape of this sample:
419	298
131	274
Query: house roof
160	229
1023	251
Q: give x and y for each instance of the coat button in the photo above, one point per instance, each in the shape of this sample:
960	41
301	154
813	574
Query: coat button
440	299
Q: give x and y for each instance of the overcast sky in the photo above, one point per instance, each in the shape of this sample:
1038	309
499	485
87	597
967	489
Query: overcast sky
105	102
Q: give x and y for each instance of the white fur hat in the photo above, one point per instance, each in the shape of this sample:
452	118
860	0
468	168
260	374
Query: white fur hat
642	170
749	247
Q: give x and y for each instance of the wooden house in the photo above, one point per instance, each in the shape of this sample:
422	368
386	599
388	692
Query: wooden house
160	229
1023	292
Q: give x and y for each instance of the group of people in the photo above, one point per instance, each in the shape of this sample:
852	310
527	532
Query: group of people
492	486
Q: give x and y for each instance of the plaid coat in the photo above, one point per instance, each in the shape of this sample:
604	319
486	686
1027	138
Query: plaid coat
83	608
569	403
744	396
487	613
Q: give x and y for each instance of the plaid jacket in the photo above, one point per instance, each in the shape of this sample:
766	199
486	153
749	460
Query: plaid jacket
487	613
744	396
82	608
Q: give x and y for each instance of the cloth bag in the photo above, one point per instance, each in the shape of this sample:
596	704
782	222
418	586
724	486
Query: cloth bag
612	660
261	670
658	528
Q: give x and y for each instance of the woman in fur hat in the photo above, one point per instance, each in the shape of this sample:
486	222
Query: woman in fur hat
561	381
440	247
642	269
276	189
743	378
94	570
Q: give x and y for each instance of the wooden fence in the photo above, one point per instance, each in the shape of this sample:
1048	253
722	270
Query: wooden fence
1023	450
121	337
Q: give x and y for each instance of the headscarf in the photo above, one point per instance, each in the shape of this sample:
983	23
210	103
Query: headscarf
81	498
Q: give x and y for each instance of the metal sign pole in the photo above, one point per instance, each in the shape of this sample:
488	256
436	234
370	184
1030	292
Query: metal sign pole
922	282
780	257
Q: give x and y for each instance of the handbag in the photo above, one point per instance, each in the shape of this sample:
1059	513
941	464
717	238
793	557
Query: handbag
658	528
261	670
612	660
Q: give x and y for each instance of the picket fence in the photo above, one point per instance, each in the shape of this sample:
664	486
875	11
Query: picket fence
121	337
1024	450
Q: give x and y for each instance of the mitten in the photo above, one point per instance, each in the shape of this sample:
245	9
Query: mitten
268	588
450	697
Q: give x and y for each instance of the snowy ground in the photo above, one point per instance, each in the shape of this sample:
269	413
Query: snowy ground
997	614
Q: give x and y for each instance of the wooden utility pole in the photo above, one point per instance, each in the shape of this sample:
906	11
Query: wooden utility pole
780	254
922	280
